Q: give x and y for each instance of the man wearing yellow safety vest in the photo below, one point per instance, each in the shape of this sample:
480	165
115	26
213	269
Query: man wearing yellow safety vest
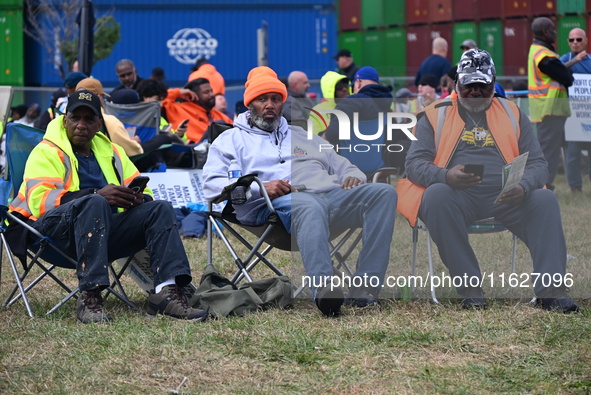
478	128
548	80
75	190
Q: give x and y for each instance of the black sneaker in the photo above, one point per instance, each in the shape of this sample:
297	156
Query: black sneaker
474	304
172	301
89	308
473	298
329	301
560	305
362	299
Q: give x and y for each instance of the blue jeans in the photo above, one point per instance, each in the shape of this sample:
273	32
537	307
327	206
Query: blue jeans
313	217
573	162
90	232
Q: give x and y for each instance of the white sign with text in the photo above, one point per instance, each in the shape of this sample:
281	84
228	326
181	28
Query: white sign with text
578	125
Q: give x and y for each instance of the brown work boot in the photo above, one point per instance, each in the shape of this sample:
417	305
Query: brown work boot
89	308
172	301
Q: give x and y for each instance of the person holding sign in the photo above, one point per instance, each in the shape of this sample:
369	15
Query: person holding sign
448	191
578	61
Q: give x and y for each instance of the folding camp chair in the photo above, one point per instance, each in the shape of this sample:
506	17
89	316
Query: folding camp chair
143	120
479	227
271	235
42	251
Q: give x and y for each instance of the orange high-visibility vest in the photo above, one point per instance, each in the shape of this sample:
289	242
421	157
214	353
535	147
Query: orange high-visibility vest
503	121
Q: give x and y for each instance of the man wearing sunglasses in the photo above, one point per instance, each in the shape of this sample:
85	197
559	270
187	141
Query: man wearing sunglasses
578	61
548	81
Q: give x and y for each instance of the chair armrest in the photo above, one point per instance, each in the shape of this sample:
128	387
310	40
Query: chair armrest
245	181
5	214
384	173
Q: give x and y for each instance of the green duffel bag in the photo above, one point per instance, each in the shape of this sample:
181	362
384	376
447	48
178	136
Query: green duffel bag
221	298
274	292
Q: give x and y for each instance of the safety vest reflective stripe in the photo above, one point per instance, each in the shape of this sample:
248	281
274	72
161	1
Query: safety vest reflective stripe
440	121
540	85
546	96
58	186
119	168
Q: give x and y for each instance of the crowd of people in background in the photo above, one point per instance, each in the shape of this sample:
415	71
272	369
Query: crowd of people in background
188	111
464	103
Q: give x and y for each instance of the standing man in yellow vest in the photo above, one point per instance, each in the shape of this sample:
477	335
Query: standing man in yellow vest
480	128
548	81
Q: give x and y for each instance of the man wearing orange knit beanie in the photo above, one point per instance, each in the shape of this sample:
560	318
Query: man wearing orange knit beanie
331	192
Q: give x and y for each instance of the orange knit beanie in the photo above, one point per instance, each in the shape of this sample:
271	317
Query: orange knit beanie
263	80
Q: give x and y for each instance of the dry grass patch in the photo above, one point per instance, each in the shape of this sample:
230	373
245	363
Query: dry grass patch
404	347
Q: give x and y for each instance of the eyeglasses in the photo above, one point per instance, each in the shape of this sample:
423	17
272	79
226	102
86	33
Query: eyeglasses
578	39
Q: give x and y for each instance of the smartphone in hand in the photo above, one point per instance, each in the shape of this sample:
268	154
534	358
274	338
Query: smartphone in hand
477	170
139	183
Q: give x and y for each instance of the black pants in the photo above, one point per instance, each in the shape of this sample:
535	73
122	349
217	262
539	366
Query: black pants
89	230
551	137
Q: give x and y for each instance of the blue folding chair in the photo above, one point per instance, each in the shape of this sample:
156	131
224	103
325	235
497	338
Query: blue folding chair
41	251
143	118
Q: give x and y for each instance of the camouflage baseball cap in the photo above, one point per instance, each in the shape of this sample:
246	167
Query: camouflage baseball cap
476	66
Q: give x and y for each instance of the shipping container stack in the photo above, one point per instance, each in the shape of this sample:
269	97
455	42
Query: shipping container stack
11	43
395	36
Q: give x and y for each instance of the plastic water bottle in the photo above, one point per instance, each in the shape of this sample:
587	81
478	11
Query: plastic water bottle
238	195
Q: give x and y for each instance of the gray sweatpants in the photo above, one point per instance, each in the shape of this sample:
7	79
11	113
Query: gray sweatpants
448	213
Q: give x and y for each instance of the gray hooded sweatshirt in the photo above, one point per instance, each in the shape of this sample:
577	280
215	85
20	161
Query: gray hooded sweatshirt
284	154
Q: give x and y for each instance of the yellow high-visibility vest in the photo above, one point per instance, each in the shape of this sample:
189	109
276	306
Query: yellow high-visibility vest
546	96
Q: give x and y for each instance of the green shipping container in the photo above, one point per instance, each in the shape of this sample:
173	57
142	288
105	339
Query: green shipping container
353	42
394	12
374	50
11	47
462	31
570	7
490	38
372	13
564	25
11	4
395	53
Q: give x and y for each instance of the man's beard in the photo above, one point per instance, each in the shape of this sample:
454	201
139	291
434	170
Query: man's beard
208	105
475	104
129	85
264	124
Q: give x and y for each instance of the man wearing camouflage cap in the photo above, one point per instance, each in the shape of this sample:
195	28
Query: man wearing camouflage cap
478	127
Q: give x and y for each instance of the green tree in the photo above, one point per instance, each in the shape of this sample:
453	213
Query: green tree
53	25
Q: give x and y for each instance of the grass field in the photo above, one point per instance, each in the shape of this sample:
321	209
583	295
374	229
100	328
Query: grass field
407	346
